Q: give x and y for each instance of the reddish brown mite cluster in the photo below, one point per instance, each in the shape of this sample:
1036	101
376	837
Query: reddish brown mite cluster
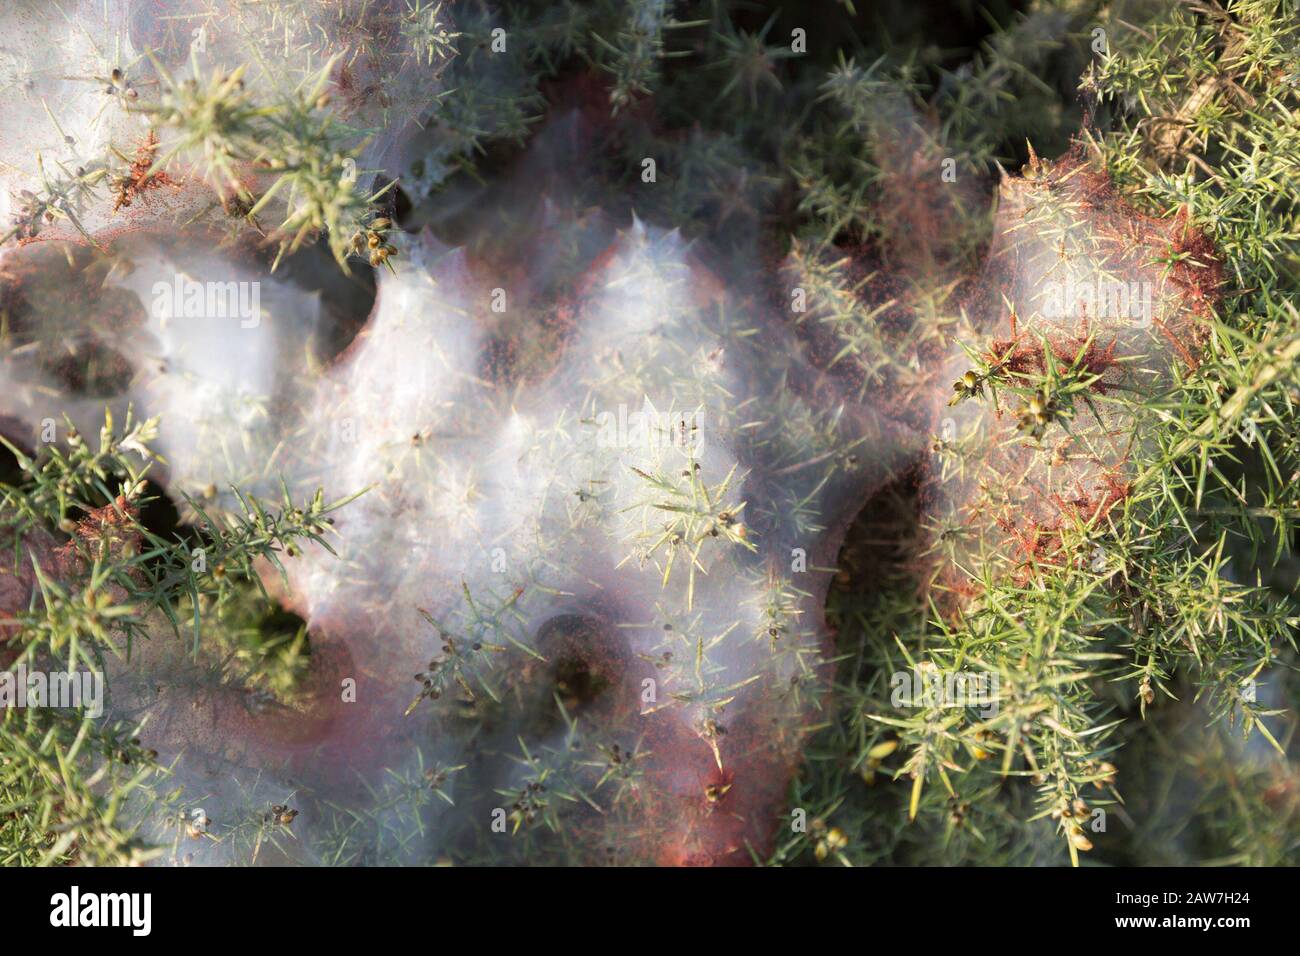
1019	356
1042	544
107	531
1197	266
141	175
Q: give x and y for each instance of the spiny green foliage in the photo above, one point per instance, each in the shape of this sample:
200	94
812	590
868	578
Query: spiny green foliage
65	777
1165	624
308	153
1108	668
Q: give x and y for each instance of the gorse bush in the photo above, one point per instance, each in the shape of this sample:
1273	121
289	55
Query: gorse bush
1147	591
802	434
